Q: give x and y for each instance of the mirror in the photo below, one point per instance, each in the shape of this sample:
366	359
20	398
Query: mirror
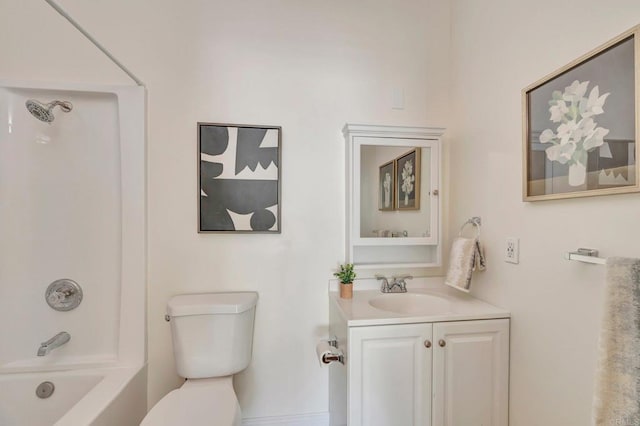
395	191
393	209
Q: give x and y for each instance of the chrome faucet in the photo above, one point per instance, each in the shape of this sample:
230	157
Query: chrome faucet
385	283
397	285
400	283
56	341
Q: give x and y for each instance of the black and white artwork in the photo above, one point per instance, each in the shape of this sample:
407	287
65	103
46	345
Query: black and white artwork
408	180
386	186
239	178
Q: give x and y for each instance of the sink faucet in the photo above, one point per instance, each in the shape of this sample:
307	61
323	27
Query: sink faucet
56	341
385	283
397	285
400	283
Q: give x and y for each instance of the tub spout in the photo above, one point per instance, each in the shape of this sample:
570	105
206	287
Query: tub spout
56	341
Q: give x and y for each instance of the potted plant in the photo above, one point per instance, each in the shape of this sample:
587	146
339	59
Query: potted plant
346	275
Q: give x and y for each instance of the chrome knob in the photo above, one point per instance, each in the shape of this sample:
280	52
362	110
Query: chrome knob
63	295
442	343
427	344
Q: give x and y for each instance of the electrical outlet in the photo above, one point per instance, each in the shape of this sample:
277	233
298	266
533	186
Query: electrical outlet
512	251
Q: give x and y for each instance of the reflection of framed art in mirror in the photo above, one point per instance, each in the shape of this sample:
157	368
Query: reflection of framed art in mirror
386	186
408	180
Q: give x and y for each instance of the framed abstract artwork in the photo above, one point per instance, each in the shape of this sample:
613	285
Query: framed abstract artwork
239	178
580	125
386	186
408	180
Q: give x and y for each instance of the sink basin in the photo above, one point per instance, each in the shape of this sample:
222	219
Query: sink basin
411	304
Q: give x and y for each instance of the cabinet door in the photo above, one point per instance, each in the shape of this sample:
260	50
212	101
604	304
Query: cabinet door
390	375
471	373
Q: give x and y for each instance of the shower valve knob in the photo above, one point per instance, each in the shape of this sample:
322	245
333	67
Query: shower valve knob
55	298
63	295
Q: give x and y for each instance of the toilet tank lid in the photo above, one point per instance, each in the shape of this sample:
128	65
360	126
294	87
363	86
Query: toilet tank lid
211	303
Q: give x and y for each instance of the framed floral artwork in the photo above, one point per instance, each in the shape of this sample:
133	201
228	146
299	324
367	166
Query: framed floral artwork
408	180
386	186
580	125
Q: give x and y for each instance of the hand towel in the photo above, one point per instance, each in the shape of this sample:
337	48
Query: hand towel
466	256
617	391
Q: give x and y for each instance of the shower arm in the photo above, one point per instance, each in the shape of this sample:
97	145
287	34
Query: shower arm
64	105
89	37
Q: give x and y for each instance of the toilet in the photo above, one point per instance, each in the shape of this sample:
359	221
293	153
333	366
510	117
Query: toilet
212	337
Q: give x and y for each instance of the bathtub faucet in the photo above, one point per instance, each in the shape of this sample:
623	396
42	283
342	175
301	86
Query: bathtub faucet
57	340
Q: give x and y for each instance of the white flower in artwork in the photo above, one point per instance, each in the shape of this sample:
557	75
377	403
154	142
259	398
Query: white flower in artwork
578	133
386	185
558	111
561	153
576	91
407	180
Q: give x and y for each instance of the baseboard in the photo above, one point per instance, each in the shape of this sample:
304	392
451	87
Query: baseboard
315	419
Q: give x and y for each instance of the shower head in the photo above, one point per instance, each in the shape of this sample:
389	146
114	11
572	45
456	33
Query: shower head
44	112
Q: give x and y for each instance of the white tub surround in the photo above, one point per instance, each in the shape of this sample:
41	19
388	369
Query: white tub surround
74	208
431	356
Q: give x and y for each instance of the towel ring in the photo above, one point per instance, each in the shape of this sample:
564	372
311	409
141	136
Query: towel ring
476	221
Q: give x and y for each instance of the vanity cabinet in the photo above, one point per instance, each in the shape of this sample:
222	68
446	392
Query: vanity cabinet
390	375
440	374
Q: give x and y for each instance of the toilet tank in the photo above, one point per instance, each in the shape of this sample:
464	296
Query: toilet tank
212	333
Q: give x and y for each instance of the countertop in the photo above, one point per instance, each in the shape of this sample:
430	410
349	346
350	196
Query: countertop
462	307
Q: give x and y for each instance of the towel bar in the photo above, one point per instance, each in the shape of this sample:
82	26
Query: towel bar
476	221
585	255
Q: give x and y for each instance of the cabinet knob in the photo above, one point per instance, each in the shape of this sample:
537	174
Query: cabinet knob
442	343
427	344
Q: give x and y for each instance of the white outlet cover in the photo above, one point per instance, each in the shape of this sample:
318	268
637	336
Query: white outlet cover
512	250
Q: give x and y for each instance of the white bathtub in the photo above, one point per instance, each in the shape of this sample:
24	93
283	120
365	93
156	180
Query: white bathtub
72	199
108	396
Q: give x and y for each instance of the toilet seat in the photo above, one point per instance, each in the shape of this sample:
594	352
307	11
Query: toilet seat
199	402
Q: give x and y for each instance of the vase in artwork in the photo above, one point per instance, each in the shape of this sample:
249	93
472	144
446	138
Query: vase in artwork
577	174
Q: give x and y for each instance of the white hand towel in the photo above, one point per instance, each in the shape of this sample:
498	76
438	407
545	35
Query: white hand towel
617	391
466	255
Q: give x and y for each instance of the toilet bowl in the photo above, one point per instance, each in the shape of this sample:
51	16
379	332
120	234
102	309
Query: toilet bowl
198	402
212	337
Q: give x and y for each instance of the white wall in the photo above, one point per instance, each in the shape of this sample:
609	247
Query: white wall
309	67
498	48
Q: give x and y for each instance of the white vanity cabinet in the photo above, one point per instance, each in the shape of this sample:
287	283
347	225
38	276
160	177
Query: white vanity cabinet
390	375
448	373
471	373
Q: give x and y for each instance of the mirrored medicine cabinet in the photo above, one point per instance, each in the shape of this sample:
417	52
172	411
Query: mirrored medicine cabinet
393	198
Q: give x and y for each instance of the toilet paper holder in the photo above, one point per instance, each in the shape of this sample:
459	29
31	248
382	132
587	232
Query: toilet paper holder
333	357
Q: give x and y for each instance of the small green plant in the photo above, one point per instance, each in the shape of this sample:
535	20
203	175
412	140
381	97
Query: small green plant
346	275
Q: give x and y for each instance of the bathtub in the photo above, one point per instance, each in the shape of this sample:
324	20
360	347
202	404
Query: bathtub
108	396
72	199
